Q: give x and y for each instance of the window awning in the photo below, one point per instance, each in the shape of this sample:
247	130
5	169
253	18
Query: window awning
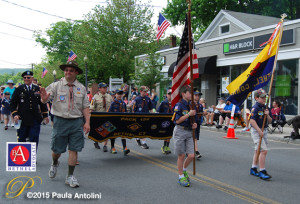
207	65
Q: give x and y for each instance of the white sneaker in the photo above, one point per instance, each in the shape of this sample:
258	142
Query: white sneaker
53	170
245	129
72	181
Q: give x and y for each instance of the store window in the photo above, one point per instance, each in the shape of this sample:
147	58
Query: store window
285	85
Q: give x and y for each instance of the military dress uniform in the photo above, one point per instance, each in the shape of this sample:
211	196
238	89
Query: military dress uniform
26	103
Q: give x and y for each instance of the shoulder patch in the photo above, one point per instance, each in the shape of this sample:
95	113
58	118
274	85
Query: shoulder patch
176	108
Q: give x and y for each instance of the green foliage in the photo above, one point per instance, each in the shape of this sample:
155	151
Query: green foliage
15	77
148	71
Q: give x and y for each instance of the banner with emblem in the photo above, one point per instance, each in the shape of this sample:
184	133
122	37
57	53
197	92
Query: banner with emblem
106	125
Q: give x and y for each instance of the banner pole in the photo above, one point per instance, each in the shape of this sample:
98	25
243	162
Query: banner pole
191	77
283	16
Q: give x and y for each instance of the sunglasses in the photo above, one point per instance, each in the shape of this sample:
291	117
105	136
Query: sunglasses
26	77
169	93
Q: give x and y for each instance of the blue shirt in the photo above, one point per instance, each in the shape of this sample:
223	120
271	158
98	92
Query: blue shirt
199	109
229	107
257	114
117	106
182	108
5	106
11	91
165	107
142	105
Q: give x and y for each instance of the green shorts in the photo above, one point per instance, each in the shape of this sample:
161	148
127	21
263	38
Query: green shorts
67	132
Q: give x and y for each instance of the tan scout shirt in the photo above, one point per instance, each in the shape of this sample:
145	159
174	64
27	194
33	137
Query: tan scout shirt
97	102
60	93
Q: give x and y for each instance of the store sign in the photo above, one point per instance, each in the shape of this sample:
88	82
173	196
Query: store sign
225	83
238	46
287	38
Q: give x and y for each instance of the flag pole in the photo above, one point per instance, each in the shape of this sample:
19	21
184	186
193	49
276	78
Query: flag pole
283	16
191	77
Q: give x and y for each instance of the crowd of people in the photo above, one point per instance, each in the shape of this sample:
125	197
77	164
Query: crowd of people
69	105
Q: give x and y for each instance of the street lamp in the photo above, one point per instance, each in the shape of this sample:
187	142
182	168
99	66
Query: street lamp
86	72
54	75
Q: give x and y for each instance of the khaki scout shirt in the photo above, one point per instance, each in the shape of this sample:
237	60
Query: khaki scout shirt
60	93
97	102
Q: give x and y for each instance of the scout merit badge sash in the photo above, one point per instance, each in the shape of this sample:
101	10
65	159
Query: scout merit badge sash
107	125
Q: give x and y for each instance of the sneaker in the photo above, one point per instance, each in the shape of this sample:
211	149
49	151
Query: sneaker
6	127
198	155
104	148
163	149
218	126
113	151
126	151
184	182
2	121
97	145
225	128
145	146
186	176
138	142
53	170
168	150
254	172
245	129
72	181
264	175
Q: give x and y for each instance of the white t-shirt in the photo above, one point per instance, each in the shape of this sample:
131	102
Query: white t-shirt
219	106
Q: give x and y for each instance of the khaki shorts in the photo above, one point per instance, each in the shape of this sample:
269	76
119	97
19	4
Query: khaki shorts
6	116
183	141
255	137
67	132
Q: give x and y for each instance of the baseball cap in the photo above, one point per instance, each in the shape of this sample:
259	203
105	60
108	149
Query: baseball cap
144	88
119	91
260	93
102	85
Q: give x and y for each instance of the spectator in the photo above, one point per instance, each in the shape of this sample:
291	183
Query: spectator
154	98
246	129
6	109
277	115
226	114
214	113
133	92
125	100
1	97
10	87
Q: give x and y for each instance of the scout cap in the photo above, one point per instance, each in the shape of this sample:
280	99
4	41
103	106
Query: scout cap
260	93
73	64
144	88
119	91
6	93
102	85
197	92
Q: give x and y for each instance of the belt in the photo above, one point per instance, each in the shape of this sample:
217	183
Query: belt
184	127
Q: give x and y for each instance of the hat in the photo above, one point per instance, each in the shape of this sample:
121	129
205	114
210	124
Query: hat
196	92
185	88
144	88
6	93
30	73
39	84
102	85
119	91
10	82
221	98
260	93
73	64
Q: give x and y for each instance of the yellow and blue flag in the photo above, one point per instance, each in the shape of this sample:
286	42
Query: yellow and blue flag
258	74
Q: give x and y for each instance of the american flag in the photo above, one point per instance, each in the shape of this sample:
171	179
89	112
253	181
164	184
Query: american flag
181	74
72	56
44	72
163	24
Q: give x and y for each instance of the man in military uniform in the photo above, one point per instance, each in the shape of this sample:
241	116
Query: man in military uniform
143	104
101	103
26	105
165	107
70	108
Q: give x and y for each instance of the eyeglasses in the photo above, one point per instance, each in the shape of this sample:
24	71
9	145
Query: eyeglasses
26	77
69	70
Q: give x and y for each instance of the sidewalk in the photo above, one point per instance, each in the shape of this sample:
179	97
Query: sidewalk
275	136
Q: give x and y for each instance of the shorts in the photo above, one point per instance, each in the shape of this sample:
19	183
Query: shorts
255	137
183	141
6	116
216	116
67	132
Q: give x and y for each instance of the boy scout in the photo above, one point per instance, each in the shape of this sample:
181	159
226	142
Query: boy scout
256	121
70	108
199	111
101	103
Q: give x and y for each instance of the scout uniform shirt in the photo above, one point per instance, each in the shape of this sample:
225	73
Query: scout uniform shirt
142	105
182	108
257	114
100	102
68	100
117	106
165	107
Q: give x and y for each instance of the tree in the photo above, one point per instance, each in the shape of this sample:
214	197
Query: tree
148	70
204	11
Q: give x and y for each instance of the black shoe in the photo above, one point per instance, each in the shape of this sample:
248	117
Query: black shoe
138	142
126	151
198	155
225	128
97	145
104	148
145	146
218	126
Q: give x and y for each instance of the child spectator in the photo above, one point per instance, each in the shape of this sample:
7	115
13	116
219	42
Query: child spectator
6	109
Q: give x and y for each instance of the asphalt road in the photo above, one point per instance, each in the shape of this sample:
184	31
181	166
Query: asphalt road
148	176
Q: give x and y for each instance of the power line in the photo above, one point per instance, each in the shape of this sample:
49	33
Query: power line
14	63
28	29
37	10
16	36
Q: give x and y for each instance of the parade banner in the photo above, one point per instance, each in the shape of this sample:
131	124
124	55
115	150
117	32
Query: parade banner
130	125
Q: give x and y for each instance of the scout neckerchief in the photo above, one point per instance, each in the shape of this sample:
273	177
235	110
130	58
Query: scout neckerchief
104	102
71	96
121	104
170	108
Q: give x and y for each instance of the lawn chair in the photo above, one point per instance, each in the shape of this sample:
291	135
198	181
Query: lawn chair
278	122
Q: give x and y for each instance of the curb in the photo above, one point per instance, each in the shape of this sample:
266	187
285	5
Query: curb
240	133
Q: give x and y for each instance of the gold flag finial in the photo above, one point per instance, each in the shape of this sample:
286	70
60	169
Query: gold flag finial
283	16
